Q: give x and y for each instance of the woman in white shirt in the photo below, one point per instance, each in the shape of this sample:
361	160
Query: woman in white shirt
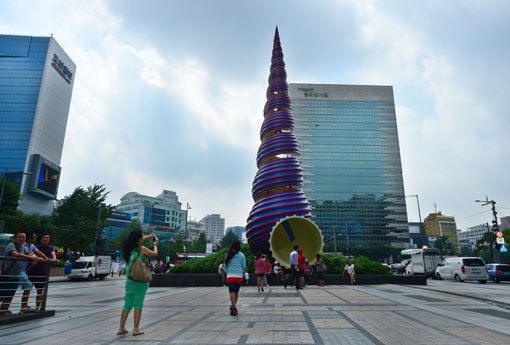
349	268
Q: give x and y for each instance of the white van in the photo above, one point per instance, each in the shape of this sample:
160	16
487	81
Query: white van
88	267
460	269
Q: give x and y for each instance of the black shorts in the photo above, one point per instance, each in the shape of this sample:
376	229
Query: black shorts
301	273
234	287
320	275
260	274
38	281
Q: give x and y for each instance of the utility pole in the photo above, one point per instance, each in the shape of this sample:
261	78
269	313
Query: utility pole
96	236
495	227
334	238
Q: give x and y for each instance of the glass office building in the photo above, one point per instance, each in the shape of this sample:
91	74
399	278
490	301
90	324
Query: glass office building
36	83
349	152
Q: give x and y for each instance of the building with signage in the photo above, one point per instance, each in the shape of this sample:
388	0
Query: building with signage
436	225
214	227
36	84
159	213
350	155
238	231
117	222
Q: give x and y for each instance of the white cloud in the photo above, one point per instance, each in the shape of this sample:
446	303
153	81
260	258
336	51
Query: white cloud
445	154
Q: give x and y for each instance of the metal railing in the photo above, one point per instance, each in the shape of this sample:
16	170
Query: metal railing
12	296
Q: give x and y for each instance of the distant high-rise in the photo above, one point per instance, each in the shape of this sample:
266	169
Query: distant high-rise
36	84
350	155
214	227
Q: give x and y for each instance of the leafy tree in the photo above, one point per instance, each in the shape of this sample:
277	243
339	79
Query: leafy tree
10	199
227	240
444	245
77	217
486	241
199	245
18	221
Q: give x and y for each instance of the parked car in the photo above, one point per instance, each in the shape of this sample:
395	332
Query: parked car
464	268
398	268
498	272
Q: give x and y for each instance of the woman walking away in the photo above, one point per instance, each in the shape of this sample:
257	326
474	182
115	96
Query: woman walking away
260	269
235	264
349	268
320	268
135	291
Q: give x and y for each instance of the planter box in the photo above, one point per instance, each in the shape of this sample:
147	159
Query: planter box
193	280
56	271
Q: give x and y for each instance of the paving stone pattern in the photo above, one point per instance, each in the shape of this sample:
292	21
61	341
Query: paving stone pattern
88	313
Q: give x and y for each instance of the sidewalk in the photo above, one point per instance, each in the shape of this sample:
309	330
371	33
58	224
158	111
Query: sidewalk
88	313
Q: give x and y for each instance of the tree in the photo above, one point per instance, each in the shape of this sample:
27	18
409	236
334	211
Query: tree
444	245
199	245
10	198
77	217
29	222
227	240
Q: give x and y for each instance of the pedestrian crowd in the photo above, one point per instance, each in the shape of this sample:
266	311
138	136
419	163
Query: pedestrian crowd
32	272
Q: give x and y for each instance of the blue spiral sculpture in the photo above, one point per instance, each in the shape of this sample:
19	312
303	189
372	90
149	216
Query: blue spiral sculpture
280	217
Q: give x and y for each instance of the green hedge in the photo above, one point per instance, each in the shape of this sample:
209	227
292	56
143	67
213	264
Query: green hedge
334	264
362	265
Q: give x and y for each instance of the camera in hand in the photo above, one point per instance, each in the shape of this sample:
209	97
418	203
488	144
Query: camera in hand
155	239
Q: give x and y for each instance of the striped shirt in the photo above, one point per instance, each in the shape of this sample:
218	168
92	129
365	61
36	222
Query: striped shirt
236	267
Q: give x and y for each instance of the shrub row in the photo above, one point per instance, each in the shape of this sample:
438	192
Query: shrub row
334	264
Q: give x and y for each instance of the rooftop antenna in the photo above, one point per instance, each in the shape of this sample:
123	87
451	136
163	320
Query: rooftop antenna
435	207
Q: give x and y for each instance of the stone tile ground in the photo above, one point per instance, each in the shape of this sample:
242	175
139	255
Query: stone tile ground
88	313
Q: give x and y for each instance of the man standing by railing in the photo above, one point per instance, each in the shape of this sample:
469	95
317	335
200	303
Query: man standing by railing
13	270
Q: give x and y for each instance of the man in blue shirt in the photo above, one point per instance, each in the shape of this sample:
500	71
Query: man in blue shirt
294	274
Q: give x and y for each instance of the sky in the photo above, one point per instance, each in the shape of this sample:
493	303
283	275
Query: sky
169	94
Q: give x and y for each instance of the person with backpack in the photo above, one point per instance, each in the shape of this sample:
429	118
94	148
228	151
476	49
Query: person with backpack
235	265
320	267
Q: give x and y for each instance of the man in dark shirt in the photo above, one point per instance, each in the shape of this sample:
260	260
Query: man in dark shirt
39	273
13	270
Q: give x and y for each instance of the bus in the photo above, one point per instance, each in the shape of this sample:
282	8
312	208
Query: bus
181	257
421	261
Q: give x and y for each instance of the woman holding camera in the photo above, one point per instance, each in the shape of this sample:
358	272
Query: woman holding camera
135	291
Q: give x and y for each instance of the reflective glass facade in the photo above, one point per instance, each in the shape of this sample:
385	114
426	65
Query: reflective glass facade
36	83
351	160
22	62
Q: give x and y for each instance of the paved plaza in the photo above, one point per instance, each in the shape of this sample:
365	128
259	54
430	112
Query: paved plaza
440	313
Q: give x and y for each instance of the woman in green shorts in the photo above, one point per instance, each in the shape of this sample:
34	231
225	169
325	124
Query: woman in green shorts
135	291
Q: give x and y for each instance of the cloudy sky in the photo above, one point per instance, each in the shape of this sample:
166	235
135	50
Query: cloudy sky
169	94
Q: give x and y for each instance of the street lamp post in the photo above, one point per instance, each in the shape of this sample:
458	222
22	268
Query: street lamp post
101	208
188	207
3	187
